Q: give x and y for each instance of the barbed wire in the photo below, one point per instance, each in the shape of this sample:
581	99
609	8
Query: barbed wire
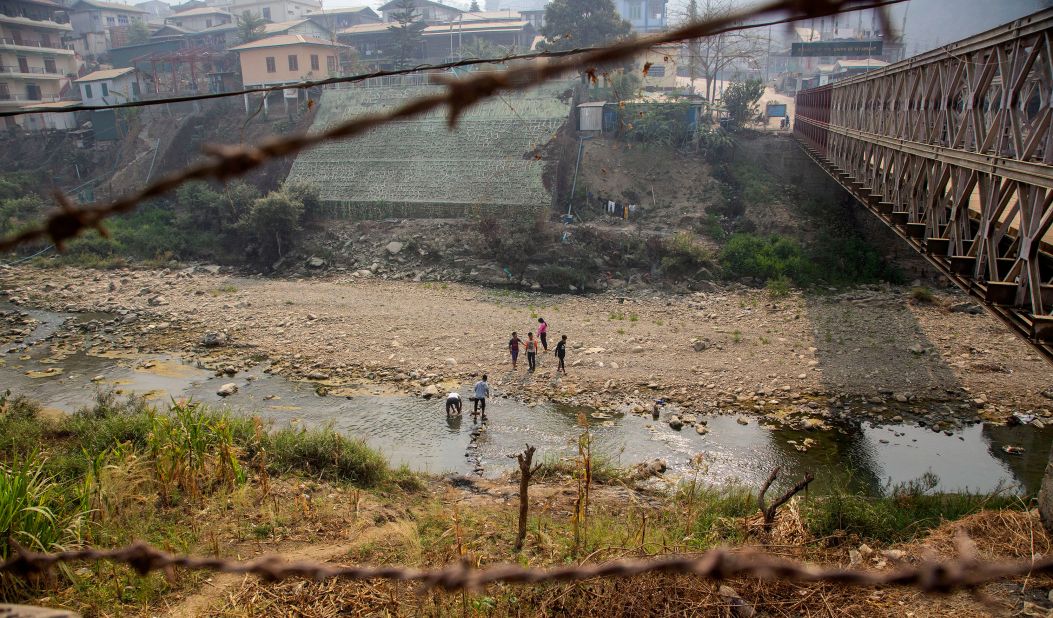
229	161
966	573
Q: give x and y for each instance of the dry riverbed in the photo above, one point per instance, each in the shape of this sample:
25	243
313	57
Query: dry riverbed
799	360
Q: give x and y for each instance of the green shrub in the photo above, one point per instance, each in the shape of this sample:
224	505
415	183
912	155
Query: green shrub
327	454
778	287
922	294
684	258
747	255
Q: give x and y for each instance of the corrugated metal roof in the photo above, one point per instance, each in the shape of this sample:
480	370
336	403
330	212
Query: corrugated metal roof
101	75
99	4
365	28
205	10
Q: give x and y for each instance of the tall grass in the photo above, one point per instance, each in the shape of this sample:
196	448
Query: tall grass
36	511
327	454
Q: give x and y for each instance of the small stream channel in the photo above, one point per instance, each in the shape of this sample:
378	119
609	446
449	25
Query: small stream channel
416	432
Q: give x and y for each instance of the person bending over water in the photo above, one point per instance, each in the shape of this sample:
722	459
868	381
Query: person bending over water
453	404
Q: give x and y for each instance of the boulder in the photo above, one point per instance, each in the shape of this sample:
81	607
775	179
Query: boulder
214	340
970	308
646	470
157	301
430	391
317	375
394	247
676	423
315	262
227	389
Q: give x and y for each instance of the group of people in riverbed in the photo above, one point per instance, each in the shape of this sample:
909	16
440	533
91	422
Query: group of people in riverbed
531	345
481	390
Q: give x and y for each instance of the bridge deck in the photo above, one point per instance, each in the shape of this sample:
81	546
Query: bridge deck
953	149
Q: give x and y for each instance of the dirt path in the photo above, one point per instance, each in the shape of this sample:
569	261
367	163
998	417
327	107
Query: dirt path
214	589
728	350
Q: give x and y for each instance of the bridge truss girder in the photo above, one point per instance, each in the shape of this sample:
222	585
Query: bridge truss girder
953	150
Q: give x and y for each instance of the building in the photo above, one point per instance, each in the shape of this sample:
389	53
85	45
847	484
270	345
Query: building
100	25
50	117
306	27
157	9
444	40
335	20
217	37
644	15
271	10
371	41
35	65
427	11
663	61
196	20
535	17
287	59
109	87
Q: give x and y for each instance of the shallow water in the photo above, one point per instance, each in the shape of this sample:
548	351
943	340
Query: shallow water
416	432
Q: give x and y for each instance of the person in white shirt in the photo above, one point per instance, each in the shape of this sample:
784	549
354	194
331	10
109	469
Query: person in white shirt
453	403
481	392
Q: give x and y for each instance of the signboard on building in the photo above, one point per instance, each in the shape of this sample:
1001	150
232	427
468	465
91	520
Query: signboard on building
838	49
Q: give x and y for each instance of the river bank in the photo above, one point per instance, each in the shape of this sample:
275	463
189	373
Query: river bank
868	352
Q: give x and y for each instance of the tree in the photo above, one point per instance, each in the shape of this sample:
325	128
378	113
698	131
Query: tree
740	99
710	56
250	26
138	32
407	35
273	224
582	23
474	8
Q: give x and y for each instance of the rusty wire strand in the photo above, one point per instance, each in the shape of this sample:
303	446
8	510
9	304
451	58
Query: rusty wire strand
460	94
966	573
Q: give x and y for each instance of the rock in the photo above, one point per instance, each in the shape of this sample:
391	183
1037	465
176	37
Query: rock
701	345
394	247
113	286
742	420
739	607
917	349
646	470
1019	418
701	430
227	389
214	340
211	269
315	262
894	554
854	559
676	423
157	301
970	308
429	391
317	375
450	361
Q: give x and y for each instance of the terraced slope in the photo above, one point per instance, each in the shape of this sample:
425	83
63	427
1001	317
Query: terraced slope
421	168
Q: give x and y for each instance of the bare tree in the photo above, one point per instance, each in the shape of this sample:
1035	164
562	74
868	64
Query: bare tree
708	57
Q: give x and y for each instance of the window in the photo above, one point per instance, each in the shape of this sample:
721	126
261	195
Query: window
330	63
656	70
656	10
634	10
87	91
122	19
23	64
105	89
5	92
314	62
49	65
294	63
271	68
208	23
110	21
266	12
33	92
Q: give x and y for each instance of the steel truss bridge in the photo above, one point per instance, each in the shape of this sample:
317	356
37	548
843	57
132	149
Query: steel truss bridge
952	150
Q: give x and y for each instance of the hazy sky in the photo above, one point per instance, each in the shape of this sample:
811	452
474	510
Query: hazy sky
930	23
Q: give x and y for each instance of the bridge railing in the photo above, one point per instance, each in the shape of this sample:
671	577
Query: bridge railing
954	150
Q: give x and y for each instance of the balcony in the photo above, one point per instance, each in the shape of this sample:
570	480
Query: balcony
25	45
7	70
10	98
20	20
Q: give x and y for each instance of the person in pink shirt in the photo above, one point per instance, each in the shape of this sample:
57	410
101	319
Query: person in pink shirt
542	332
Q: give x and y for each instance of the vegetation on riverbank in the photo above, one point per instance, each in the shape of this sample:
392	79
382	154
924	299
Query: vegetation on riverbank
190	478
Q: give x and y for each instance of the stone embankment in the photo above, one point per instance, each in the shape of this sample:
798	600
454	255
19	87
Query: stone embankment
804	361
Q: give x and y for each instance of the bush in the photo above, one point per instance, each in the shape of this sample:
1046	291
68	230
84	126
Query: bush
747	255
327	454
922	295
684	258
778	287
35	511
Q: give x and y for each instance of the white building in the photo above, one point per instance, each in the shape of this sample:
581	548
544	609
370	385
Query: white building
109	87
196	20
